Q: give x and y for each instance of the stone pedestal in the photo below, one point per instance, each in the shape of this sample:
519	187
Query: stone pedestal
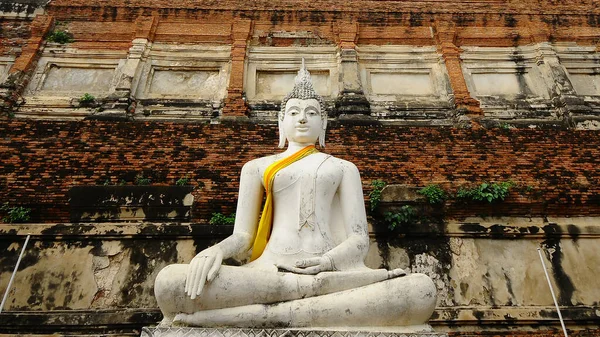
231	332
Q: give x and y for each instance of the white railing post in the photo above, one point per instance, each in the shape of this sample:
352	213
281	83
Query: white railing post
12	277
552	292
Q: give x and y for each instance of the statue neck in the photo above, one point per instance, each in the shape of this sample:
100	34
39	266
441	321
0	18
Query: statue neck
294	147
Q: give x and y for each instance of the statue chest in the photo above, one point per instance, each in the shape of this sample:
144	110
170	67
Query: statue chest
316	175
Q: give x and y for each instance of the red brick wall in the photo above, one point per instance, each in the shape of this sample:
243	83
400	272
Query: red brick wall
557	172
14	33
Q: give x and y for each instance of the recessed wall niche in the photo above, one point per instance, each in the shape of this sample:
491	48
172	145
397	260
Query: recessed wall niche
405	82
270	74
508	82
182	81
63	75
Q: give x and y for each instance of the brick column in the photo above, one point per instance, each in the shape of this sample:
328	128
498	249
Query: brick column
352	100
235	105
445	39
20	72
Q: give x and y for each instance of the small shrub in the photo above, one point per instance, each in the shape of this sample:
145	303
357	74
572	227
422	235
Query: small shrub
182	181
433	193
87	99
406	215
490	192
140	180
219	219
60	36
15	214
504	126
375	195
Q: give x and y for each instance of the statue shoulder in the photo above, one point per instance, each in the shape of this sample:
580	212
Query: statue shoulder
259	164
345	166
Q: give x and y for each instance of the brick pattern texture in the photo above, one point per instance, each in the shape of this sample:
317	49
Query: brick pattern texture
557	172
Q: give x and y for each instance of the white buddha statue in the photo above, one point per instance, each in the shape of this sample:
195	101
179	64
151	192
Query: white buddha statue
307	249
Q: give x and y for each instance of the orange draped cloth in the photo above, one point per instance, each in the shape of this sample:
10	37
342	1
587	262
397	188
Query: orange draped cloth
266	219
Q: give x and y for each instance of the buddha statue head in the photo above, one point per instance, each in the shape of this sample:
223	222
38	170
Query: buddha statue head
302	97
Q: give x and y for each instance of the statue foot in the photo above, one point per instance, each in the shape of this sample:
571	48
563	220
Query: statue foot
166	322
396	273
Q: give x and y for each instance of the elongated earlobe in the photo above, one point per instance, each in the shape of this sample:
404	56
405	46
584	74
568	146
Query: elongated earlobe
281	135
322	134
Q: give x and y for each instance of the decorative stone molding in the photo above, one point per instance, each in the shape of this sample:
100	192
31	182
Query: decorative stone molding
580	83
127	203
223	332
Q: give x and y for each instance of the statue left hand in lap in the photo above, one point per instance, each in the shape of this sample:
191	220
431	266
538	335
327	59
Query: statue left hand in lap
308	246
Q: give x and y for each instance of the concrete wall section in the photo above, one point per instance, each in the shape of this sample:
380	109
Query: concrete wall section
487	276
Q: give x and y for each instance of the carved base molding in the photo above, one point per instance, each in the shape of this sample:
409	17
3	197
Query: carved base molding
233	332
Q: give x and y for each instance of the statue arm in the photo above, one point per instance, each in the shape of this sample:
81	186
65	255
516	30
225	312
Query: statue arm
206	264
351	253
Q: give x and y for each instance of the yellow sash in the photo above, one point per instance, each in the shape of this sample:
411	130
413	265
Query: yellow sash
266	219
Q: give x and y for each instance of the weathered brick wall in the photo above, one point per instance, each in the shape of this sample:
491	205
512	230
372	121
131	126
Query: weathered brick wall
14	33
557	172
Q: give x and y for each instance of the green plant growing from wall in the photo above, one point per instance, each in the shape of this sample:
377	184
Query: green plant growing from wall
15	214
219	219
183	181
375	195
486	192
504	126
433	193
87	99
405	215
60	36
140	180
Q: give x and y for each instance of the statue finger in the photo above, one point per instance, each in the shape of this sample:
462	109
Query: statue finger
189	281
287	268
205	269
189	276
313	261
196	279
212	273
308	271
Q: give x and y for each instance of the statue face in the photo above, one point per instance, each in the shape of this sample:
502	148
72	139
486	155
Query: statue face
302	121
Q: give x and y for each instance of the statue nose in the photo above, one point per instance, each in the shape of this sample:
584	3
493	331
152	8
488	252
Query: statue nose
302	117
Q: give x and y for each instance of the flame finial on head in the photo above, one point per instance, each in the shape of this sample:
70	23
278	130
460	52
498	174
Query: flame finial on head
303	89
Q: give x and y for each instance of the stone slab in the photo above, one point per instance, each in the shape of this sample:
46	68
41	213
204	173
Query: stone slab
237	332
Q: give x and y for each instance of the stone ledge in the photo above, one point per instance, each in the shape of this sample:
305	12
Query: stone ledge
129	321
490	227
231	332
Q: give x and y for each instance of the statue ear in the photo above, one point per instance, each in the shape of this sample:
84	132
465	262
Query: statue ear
322	134
281	134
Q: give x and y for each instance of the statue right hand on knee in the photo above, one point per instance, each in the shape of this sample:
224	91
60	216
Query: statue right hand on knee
203	268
